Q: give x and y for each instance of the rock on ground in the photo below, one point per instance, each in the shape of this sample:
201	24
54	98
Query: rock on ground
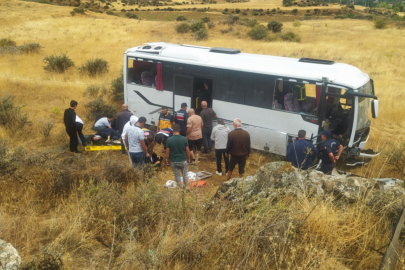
279	178
9	258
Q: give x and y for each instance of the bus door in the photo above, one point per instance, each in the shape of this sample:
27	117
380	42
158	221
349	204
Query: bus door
202	91
182	91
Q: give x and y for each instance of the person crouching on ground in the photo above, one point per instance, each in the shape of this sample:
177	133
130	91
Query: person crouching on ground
135	139
220	137
177	155
239	147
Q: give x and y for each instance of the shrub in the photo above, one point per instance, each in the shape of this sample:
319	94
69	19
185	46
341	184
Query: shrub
78	10
249	23
181	18
99	107
7	42
205	19
72	13
95	67
46	127
183	28
201	34
297	23
380	24
110	13
131	16
60	64
117	88
94	91
31	48
290	36
210	25
275	26
56	111
258	32
11	116
195	26
287	3
294	11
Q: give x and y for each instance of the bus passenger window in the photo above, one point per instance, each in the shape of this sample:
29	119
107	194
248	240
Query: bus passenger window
143	73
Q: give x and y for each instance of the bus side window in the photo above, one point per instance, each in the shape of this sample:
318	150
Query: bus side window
143	73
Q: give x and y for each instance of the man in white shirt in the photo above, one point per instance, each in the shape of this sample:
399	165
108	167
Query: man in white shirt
103	123
220	136
135	140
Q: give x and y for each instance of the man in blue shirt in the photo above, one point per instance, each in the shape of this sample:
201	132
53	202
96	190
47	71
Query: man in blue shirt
330	152
301	152
181	119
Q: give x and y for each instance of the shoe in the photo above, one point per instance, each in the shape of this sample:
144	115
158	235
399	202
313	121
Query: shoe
116	142
219	173
108	141
78	152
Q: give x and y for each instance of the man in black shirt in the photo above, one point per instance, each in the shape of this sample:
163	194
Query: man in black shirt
207	114
69	119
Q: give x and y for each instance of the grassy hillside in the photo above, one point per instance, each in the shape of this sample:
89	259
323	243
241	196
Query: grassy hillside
99	214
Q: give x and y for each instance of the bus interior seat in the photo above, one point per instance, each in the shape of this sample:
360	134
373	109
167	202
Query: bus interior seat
291	103
145	77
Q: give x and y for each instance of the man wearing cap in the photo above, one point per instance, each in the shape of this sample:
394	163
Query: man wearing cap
301	152
135	139
122	118
181	119
330	152
207	114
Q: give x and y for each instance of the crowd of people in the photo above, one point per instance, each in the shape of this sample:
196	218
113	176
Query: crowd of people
185	134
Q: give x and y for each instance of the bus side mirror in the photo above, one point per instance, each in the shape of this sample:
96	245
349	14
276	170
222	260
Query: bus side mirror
374	108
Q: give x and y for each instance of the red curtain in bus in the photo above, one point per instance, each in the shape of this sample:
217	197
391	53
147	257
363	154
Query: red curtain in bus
159	81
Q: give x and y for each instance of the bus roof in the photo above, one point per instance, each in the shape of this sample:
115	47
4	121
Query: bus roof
233	59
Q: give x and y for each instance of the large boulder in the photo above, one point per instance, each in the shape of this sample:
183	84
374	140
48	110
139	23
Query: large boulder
279	178
9	258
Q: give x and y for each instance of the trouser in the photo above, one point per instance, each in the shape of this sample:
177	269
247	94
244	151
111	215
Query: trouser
73	138
218	154
122	146
138	159
99	128
206	133
327	168
177	167
79	127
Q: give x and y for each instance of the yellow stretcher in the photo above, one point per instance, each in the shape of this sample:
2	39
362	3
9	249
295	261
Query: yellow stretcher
102	147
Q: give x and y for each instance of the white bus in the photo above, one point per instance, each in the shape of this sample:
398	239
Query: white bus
273	96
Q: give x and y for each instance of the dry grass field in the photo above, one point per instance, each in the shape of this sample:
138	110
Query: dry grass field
98	214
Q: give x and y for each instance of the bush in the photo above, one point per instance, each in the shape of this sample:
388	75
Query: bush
181	18
197	26
205	19
210	25
249	23
117	88
294	11
201	34
183	28
258	32
31	48
58	64
95	67
380	24
287	3
297	23
78	10
290	36
131	16
46	127
94	91
99	107
72	13
7	42
275	26
110	13
11	116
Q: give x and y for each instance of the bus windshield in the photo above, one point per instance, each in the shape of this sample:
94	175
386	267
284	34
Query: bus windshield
364	104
